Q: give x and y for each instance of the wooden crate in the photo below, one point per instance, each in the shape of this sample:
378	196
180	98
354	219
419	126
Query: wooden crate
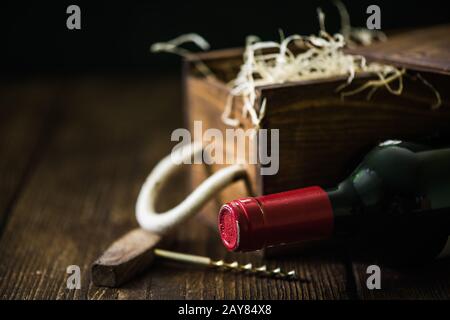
322	137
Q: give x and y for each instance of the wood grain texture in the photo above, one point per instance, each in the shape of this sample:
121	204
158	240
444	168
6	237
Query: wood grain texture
126	258
25	125
323	139
81	194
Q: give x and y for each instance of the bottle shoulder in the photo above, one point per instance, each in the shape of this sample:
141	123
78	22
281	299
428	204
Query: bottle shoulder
405	174
384	171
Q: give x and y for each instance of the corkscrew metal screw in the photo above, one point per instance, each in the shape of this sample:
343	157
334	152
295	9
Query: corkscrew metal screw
222	265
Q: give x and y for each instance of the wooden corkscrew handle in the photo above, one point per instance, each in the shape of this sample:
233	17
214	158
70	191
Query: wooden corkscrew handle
125	258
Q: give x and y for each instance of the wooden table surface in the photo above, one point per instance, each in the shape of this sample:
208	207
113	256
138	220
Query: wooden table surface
74	153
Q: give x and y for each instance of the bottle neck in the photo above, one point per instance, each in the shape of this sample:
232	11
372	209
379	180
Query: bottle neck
298	215
346	208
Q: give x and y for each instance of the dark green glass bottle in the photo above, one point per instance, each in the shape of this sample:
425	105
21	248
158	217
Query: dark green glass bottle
396	202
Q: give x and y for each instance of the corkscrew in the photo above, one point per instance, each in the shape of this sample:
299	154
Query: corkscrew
136	251
248	268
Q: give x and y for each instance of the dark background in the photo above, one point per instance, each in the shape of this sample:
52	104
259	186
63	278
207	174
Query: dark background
116	36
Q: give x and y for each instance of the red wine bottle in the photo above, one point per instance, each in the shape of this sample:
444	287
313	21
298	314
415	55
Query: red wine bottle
399	195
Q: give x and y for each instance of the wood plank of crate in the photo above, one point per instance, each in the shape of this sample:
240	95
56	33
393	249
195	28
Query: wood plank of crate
81	195
426	49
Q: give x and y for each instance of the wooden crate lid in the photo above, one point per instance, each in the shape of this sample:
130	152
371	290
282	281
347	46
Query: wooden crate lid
425	50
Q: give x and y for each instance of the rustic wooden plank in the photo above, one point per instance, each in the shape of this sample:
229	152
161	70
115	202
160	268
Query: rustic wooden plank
81	196
26	119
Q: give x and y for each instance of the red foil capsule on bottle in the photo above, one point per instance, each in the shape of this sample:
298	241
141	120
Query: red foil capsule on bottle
256	222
